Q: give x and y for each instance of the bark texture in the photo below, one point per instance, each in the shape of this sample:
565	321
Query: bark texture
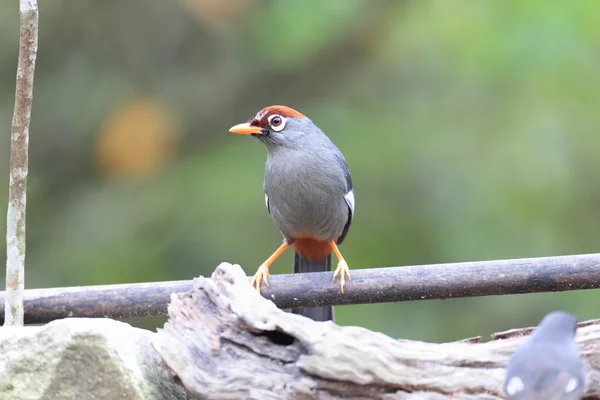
19	144
225	341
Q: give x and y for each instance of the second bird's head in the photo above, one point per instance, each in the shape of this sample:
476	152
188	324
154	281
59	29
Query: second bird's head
280	126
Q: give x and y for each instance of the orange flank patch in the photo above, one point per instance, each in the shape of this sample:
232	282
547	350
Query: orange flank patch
311	249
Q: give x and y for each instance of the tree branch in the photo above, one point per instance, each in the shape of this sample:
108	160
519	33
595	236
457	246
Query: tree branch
17	198
374	285
223	341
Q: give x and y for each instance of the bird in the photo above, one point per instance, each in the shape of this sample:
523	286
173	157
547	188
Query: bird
547	365
308	193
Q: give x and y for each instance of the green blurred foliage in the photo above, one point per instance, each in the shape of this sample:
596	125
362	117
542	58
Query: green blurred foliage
469	128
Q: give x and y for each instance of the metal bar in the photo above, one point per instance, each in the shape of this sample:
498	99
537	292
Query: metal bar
375	285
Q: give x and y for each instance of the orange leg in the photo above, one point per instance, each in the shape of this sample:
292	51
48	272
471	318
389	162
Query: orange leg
342	269
263	271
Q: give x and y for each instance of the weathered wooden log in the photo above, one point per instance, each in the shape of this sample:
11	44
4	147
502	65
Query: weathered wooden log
224	341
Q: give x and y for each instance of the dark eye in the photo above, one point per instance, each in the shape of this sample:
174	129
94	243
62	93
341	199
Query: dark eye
277	122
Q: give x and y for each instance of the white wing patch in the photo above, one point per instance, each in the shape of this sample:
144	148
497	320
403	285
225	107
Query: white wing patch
349	197
571	385
514	386
267	202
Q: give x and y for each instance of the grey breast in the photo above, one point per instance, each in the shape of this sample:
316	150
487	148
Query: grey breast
306	194
551	370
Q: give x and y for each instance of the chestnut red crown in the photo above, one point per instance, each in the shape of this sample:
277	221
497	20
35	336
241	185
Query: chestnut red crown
272	117
262	117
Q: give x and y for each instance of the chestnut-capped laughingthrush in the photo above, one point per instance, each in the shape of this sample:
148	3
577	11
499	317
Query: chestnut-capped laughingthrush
308	192
547	366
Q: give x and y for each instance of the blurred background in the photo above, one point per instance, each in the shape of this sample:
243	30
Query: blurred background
470	129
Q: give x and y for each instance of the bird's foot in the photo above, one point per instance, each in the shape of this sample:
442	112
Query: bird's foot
261	274
342	270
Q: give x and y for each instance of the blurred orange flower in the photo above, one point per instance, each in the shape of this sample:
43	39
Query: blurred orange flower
137	139
213	12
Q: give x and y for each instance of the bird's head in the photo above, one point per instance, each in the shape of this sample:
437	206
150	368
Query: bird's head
556	325
278	126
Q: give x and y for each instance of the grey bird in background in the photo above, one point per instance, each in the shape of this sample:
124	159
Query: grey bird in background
547	365
308	192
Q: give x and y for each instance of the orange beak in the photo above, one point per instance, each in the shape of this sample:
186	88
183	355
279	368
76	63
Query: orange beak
245	129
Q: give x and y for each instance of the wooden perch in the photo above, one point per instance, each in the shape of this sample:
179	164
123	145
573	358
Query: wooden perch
372	285
224	341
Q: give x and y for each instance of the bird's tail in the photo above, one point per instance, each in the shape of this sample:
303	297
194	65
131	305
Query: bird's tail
324	313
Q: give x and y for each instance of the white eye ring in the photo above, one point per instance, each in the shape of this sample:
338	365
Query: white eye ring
277	128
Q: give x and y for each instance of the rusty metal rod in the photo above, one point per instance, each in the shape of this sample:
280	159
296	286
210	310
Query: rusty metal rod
375	285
